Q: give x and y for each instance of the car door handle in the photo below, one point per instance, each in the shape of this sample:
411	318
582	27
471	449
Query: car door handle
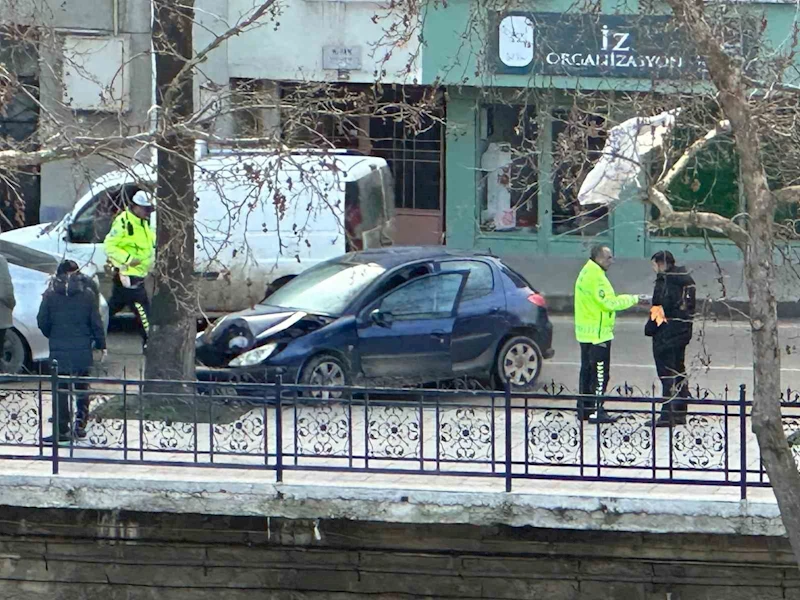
439	335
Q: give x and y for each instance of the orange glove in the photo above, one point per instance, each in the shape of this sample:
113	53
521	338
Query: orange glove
657	315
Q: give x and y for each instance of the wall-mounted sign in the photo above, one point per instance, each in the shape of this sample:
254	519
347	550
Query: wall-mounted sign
646	46
341	58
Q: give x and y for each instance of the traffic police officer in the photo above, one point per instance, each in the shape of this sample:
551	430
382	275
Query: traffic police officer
130	248
595	307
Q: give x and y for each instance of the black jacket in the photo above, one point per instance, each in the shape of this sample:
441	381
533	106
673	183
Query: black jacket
675	293
69	317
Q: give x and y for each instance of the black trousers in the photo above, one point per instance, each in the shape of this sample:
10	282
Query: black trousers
134	298
671	369
595	373
80	390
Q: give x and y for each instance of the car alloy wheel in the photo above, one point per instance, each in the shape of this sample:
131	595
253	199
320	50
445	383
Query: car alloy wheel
325	371
520	363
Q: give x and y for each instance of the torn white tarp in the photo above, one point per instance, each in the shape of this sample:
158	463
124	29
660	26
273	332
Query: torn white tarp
623	156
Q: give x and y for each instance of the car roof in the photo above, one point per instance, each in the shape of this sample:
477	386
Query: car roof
396	256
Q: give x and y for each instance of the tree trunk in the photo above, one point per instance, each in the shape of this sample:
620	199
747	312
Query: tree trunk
760	272
170	351
728	77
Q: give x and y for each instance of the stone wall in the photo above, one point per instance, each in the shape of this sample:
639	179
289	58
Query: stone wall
87	555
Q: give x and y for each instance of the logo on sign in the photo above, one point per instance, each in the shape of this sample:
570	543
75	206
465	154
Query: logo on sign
516	41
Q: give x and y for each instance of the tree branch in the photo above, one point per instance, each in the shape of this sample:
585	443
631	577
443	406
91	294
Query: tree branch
213	45
669	217
78	147
721	128
788	195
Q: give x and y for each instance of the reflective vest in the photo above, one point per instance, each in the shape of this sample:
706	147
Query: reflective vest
130	238
596	305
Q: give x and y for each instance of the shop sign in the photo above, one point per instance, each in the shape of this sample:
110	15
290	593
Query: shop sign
598	45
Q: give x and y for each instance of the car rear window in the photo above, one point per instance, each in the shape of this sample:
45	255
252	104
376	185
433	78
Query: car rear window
516	278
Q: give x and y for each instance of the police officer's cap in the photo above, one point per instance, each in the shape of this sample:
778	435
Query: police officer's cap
141	198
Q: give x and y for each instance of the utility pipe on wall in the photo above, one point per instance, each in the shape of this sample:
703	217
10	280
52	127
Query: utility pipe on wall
115	16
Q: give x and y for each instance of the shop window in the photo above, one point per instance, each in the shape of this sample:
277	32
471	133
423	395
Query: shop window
578	140
509	169
709	183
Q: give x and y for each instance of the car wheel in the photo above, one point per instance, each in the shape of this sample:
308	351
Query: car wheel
519	362
13	359
325	370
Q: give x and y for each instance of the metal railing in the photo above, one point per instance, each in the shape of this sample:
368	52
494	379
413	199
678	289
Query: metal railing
443	433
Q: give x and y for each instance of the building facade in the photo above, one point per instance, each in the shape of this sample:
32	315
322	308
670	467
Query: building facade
86	70
530	96
335	49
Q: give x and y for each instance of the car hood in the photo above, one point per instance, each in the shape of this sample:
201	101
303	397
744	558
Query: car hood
242	331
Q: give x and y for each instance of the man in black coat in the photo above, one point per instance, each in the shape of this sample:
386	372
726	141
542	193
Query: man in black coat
670	326
69	317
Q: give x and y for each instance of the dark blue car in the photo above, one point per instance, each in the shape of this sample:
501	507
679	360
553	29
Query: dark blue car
393	316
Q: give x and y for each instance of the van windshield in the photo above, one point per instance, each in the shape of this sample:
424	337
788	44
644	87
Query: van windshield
369	207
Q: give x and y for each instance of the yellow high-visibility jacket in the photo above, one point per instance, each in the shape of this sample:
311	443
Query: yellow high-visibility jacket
596	305
130	238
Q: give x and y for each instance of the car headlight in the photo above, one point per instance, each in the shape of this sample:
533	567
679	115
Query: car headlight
254	357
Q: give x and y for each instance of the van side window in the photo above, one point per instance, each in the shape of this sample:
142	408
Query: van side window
93	223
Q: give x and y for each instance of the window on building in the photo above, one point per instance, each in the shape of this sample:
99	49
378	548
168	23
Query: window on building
402	124
578	140
414	155
324	116
509	168
255	108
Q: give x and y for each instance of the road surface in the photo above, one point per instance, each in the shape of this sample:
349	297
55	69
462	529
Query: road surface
721	354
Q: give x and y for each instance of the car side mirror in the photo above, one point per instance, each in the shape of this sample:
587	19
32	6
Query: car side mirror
70	232
381	319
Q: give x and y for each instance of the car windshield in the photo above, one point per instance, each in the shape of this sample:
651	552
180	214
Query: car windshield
327	288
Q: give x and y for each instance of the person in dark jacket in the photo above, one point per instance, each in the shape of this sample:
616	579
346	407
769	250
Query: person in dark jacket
670	326
70	319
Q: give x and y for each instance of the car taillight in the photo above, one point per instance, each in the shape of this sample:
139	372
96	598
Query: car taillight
538	300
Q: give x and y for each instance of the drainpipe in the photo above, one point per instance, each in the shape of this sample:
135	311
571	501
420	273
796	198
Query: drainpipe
153	85
115	16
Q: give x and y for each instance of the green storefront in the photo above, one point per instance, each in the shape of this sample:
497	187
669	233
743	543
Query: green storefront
532	91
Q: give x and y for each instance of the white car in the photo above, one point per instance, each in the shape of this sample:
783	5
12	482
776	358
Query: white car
31	272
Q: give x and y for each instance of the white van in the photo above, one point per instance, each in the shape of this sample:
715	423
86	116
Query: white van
261	218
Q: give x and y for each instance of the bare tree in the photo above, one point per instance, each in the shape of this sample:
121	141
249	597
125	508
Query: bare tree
757	240
737	125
